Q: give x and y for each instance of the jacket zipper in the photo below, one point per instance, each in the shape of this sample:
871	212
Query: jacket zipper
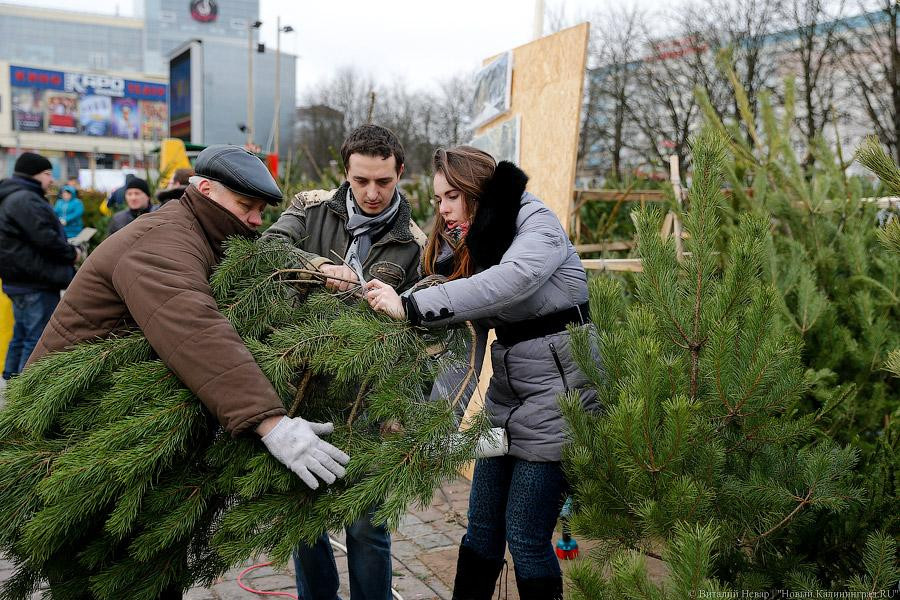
515	408
559	367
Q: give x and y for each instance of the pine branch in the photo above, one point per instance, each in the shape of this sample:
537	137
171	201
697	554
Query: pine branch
873	157
301	390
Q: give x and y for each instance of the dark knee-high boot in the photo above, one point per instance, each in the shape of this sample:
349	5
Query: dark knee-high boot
540	588
476	576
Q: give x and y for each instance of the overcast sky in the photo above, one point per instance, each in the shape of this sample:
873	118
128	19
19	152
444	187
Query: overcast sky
419	41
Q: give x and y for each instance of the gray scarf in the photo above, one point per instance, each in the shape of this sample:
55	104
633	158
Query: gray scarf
363	228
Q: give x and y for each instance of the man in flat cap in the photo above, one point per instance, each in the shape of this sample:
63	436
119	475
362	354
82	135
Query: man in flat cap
154	274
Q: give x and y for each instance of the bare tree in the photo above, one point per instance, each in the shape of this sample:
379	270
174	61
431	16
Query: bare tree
663	106
318	134
348	91
422	120
738	33
815	38
454	109
615	46
872	60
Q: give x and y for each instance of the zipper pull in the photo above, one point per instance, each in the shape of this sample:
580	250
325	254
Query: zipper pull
559	367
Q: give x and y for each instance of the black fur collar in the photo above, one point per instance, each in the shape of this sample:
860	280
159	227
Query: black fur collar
494	225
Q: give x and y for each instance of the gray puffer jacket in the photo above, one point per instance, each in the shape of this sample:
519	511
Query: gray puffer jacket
539	274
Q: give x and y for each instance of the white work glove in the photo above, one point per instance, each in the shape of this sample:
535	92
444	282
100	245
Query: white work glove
493	443
296	443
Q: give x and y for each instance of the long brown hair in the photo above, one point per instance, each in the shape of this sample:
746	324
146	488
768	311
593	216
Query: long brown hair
467	169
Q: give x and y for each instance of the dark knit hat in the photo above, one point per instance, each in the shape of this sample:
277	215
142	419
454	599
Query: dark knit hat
138	184
31	164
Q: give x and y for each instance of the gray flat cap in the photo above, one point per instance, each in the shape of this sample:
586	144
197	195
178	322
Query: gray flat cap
240	171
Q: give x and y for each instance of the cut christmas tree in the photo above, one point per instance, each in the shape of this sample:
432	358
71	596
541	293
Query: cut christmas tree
837	292
700	456
873	156
116	479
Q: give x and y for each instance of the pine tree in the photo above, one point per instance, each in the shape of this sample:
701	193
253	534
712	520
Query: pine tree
838	291
700	456
873	156
117	480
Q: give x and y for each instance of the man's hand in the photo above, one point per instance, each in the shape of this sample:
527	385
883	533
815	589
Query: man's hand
296	443
384	298
340	272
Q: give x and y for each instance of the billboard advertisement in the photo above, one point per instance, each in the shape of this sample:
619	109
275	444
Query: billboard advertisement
28	109
85	103
95	114
180	99
154	120
62	112
125	118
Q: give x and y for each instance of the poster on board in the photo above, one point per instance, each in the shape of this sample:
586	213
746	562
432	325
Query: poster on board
62	112
502	140
95	112
493	86
28	109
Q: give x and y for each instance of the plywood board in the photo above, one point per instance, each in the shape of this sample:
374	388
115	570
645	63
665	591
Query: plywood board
547	88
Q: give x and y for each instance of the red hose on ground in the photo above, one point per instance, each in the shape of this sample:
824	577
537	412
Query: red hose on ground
246	588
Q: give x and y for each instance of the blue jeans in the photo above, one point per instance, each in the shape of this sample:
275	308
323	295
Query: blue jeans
516	501
368	561
31	313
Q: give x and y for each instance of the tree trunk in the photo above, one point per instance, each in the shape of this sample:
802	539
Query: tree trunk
618	142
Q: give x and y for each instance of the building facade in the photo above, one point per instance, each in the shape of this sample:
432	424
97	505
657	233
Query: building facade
669	65
209	94
93	90
168	24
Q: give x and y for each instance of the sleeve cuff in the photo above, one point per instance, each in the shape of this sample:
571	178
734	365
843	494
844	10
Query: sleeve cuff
412	311
318	261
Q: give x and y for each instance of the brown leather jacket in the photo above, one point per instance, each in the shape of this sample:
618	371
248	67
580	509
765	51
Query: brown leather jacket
154	274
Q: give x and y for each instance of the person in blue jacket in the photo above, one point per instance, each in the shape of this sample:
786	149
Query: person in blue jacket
69	208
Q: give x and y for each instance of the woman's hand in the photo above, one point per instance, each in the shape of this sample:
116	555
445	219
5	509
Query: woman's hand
384	299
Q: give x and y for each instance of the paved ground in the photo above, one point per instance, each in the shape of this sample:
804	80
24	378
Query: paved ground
424	551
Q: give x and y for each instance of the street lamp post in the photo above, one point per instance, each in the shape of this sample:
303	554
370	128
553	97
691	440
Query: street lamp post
277	136
538	30
254	25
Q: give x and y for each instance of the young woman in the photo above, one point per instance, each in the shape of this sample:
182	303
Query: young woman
512	268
